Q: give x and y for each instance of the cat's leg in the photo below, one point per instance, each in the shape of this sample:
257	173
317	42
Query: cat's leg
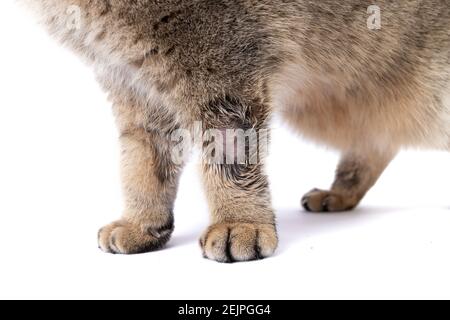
355	175
242	219
150	180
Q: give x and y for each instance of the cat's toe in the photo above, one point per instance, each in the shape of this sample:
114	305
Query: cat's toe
326	201
123	237
238	242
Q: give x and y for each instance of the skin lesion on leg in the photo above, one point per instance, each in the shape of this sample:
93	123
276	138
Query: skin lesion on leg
150	181
355	175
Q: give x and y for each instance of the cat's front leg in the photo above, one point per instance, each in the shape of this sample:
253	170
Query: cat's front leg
242	219
150	179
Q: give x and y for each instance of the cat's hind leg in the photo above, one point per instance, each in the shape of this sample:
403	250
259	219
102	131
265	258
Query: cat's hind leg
355	175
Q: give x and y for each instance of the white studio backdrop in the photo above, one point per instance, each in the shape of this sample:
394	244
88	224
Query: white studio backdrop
59	183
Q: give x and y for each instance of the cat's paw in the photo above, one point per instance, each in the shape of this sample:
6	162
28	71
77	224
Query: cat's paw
123	237
238	242
327	201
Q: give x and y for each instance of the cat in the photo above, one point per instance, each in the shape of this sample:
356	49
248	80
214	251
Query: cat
365	79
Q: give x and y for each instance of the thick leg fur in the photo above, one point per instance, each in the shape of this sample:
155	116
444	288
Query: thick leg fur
150	180
242	219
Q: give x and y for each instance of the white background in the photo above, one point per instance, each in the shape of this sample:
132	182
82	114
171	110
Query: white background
59	183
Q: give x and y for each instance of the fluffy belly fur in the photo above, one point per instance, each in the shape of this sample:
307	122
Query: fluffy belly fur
349	116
